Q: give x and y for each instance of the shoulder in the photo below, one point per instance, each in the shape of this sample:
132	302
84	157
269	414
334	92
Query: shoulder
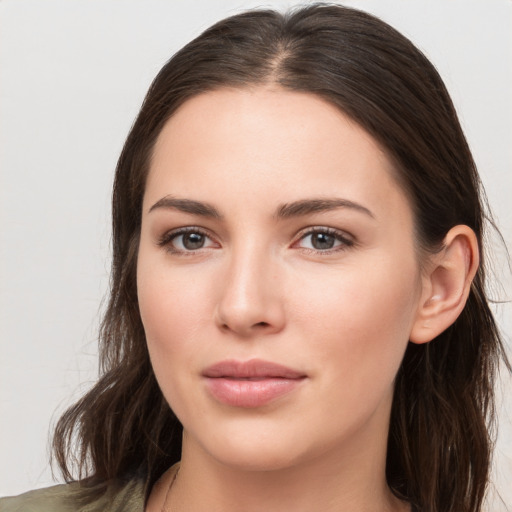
54	498
75	497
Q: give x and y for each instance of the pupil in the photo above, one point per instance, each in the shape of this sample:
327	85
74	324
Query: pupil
322	241
193	241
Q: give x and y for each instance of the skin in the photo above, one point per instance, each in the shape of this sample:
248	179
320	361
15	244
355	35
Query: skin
258	288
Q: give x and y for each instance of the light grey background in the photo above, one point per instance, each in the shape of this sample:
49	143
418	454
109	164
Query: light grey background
72	77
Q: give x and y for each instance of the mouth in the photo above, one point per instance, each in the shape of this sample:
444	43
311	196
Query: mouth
252	383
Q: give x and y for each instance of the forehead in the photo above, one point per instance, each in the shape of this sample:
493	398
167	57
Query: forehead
270	116
278	143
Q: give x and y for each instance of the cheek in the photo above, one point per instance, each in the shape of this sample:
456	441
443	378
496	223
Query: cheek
173	313
173	308
361	321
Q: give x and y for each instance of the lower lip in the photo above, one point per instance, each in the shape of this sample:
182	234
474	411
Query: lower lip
250	393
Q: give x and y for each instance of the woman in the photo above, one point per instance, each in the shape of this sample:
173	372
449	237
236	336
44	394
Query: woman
297	311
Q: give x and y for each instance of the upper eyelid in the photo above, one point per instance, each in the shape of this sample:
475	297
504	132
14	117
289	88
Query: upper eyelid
169	235
346	240
326	229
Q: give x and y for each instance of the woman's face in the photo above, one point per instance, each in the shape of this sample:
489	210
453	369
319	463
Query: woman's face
277	277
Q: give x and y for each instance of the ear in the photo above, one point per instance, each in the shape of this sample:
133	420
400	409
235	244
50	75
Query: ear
446	284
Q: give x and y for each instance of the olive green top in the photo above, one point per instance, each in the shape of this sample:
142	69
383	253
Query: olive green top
126	496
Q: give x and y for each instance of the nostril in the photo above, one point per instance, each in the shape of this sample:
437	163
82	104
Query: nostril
263	326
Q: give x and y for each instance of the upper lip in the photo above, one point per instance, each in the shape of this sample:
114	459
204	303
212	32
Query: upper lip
254	368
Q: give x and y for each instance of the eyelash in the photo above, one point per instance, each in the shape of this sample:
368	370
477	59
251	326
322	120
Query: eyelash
346	242
166	239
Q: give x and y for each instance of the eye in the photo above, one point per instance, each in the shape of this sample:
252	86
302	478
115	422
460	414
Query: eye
185	240
324	240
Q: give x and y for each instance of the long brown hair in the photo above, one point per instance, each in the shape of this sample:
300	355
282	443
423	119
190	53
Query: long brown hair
439	444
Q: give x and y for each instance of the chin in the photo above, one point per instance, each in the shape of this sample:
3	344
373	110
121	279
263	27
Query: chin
256	449
256	459
248	450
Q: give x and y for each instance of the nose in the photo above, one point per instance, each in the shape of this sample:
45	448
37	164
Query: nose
250	302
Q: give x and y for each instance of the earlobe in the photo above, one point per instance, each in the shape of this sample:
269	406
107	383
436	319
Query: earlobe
446	284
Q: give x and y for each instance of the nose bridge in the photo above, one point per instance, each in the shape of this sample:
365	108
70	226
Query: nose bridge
250	301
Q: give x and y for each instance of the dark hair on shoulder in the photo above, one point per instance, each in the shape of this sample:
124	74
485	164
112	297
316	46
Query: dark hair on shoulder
440	440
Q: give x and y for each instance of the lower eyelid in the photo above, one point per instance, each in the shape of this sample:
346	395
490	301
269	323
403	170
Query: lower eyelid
166	240
338	235
344	240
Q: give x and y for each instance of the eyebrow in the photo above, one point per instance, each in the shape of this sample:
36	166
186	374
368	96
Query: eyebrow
284	211
187	206
308	206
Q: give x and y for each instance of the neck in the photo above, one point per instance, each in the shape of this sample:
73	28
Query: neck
302	489
350	481
346	474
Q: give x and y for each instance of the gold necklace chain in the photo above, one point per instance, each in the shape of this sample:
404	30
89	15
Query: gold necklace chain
164	507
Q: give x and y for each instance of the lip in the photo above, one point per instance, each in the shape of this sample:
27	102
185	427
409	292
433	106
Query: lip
252	383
